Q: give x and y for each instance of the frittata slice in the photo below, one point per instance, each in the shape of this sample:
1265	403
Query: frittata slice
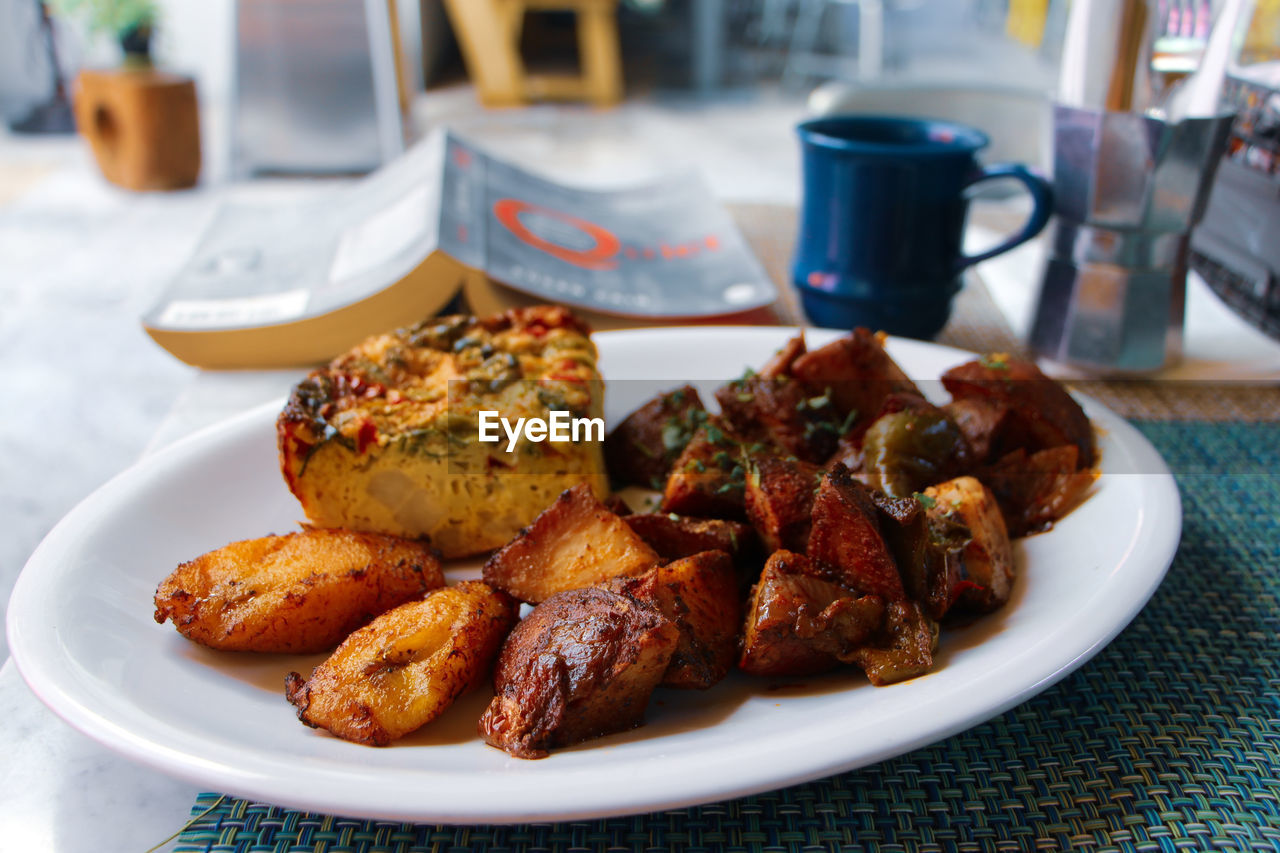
386	437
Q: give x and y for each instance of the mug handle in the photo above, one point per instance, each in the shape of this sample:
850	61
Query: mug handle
1042	207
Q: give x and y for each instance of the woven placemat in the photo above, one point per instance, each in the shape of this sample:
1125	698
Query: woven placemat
1168	740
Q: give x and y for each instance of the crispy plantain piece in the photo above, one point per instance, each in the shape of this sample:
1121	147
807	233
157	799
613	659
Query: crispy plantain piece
799	623
857	374
641	449
404	668
581	665
573	543
904	649
1041	412
298	593
846	538
779	500
708	479
699	594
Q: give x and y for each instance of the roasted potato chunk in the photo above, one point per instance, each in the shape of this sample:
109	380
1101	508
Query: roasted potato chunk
675	536
905	648
927	548
1035	490
641	450
779	500
857	373
699	594
581	665
985	425
779	364
952	550
404	668
707	480
573	543
799	623
1040	410
780	412
298	593
986	559
846	538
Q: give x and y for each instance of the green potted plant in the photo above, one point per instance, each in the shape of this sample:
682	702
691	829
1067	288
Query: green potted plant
128	22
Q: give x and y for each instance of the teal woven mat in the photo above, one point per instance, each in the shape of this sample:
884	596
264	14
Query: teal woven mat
1168	740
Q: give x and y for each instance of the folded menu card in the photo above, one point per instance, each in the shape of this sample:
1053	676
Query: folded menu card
284	285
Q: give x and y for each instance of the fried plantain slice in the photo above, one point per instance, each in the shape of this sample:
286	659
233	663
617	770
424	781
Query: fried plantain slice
299	593
404	668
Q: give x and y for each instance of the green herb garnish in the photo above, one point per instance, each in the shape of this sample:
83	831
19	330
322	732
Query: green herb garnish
995	361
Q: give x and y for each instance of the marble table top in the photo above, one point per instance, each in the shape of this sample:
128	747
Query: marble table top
93	393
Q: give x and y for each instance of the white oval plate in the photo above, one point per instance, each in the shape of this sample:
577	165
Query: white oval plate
82	634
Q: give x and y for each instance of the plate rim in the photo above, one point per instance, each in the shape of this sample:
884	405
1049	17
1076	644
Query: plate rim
1160	488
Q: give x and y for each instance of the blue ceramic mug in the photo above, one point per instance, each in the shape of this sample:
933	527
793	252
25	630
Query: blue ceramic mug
882	220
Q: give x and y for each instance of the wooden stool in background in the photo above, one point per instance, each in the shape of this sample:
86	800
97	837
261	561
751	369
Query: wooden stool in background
488	32
143	126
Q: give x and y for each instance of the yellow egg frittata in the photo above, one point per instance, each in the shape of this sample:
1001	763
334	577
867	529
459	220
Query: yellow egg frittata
386	437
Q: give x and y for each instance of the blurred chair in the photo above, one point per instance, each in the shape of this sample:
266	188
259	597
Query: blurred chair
489	32
803	55
317	86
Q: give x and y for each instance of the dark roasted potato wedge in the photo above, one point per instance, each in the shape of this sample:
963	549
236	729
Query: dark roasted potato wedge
707	480
641	450
782	413
857	373
299	593
699	594
1036	490
582	664
905	648
799	623
779	364
675	536
1041	410
953	552
846	539
404	668
987	427
573	543
779	500
928	549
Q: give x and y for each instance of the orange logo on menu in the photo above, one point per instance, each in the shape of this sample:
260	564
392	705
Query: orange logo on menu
606	246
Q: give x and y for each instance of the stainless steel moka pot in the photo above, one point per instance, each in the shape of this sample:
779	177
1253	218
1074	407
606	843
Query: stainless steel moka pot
1128	188
1133	168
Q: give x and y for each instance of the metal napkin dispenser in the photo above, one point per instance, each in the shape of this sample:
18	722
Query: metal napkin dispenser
1128	189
